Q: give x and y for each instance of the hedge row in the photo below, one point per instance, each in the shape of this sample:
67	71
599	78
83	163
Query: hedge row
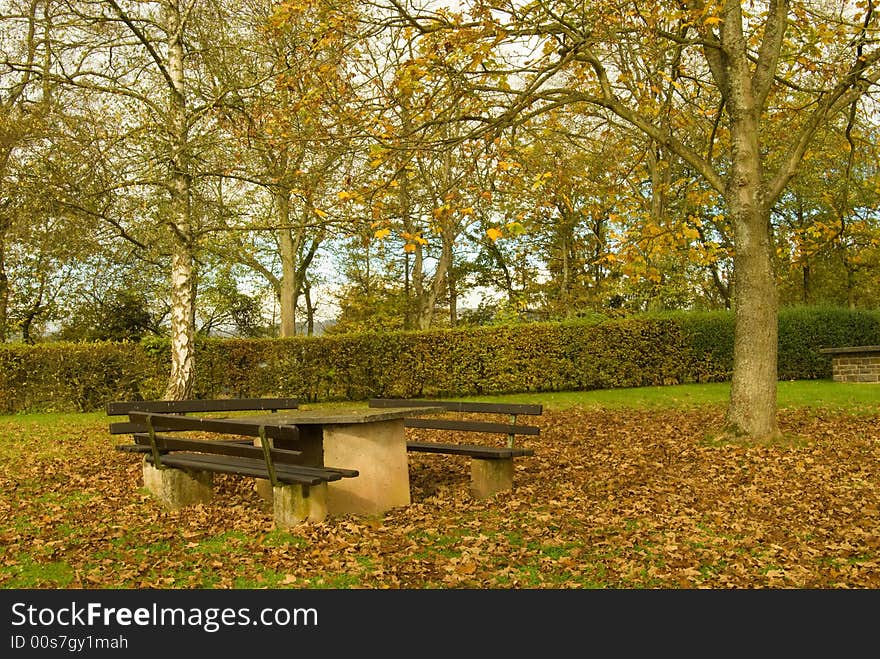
596	354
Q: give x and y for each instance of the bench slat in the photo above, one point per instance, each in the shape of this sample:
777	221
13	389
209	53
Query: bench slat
252	467
127	428
132	448
239	466
117	408
139	448
230	425
219	447
471	426
485	452
131	427
460	406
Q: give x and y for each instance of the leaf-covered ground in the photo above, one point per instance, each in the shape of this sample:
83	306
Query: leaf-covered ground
612	499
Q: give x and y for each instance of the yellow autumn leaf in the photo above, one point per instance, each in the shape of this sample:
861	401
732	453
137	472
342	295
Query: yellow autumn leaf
494	234
409	247
381	234
320	213
712	20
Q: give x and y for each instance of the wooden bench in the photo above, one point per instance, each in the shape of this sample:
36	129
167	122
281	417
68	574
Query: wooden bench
491	465
178	470
122	408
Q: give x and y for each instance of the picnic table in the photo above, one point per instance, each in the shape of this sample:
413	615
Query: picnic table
311	463
371	442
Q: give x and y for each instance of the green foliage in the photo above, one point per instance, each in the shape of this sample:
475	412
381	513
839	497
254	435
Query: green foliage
123	317
710	337
587	354
226	311
803	330
380	310
60	377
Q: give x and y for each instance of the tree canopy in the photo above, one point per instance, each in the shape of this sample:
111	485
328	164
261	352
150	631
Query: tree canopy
248	168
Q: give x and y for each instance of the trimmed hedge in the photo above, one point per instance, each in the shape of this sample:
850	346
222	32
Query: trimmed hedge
69	376
595	354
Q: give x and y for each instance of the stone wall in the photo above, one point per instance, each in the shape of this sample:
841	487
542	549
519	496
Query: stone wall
856	364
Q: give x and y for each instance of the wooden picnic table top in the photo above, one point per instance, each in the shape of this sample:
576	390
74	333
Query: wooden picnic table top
277	421
336	416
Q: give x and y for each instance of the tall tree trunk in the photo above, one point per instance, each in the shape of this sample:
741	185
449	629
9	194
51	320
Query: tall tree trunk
30	314
805	278
4	291
180	381
565	275
417	275
441	275
296	259
752	408
310	310
660	171
850	282
288	248
452	288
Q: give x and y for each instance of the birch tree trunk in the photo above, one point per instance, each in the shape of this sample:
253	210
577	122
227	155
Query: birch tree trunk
180	380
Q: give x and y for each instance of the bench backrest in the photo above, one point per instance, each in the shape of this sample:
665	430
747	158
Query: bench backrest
165	444
119	408
511	409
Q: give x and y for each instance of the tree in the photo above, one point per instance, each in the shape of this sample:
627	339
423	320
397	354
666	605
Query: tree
24	106
292	135
139	65
741	72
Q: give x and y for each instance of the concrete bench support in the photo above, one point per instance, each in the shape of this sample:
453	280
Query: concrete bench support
491	476
295	504
177	488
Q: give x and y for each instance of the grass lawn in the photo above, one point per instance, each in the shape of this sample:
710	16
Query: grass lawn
625	491
816	394
847	397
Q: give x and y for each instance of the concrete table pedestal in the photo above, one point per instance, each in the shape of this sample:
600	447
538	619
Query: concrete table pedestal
372	441
377	449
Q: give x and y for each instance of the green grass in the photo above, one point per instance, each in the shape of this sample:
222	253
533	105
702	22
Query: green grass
28	573
819	394
60	420
825	394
